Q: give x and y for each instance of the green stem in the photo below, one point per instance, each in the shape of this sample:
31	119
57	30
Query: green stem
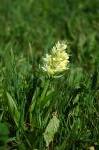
33	103
45	90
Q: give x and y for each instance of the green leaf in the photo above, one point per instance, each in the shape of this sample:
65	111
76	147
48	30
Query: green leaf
51	129
13	108
3	133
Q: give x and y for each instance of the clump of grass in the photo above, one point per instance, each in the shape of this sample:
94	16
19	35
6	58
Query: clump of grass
28	98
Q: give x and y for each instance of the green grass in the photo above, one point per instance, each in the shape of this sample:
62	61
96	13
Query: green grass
28	30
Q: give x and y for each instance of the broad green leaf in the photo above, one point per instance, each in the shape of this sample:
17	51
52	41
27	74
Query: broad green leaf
3	133
51	129
13	108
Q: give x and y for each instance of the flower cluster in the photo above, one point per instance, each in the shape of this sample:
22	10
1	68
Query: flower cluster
57	61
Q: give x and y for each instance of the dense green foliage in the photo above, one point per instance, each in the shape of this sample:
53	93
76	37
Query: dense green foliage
28	30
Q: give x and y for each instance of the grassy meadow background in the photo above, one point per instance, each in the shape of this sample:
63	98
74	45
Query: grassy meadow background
28	30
